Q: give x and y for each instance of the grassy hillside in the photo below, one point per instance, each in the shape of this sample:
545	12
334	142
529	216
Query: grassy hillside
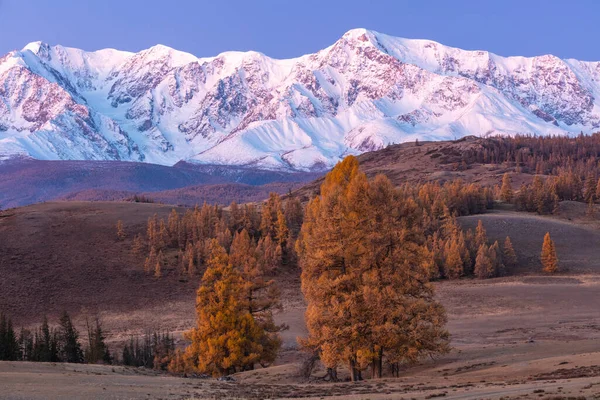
65	256
576	242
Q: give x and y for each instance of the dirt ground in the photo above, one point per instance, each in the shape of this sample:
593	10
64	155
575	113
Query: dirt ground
525	336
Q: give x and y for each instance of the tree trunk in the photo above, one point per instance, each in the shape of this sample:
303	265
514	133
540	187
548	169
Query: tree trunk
395	369
355	374
377	366
331	375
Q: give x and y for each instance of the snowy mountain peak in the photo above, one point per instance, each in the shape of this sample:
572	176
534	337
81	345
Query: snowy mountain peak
366	90
36	47
176	57
359	34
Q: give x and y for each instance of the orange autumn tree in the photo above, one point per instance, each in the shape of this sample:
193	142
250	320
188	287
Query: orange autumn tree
228	338
548	257
506	192
365	270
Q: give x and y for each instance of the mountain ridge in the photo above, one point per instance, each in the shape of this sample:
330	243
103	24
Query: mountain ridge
365	91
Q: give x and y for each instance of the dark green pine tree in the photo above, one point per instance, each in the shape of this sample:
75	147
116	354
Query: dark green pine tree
9	347
127	354
45	347
70	348
97	350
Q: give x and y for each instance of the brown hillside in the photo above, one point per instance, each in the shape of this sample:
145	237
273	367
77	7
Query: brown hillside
576	243
190	196
65	256
428	161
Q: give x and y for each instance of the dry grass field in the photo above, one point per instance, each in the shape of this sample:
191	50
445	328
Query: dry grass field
524	336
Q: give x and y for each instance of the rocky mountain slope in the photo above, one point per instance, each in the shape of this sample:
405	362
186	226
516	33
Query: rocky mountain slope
365	91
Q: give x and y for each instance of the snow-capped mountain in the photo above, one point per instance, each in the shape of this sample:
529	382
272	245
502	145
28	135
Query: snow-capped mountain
366	90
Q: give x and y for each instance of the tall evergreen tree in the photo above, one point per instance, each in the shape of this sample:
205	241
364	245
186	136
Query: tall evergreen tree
97	350
589	190
506	192
548	256
509	255
45	344
9	346
69	346
227	338
484	266
480	235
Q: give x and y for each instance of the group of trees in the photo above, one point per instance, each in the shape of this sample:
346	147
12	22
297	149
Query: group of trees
457	254
541	155
237	251
365	275
186	238
154	350
235	302
543	194
47	344
367	252
62	343
239	248
565	168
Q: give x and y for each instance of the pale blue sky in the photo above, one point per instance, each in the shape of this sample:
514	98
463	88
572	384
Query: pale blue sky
281	29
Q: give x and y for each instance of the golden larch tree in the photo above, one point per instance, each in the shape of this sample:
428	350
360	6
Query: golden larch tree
454	265
509	255
495	254
121	234
548	257
227	338
189	258
260	293
138	247
150	261
365	270
480	235
268	224
506	192
484	266
159	264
